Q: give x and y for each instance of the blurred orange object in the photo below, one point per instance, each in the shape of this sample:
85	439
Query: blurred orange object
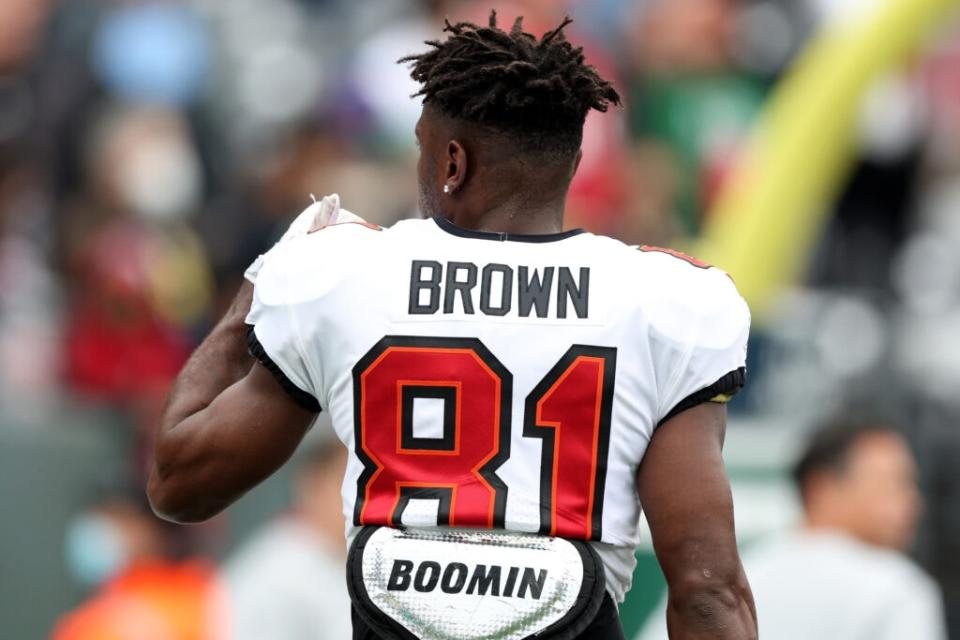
155	601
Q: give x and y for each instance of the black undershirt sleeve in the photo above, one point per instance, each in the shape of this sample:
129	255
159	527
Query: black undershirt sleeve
720	391
301	397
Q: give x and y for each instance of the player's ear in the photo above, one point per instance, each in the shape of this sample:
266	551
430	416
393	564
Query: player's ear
456	166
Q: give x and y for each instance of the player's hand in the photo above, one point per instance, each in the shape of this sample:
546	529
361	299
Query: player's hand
322	213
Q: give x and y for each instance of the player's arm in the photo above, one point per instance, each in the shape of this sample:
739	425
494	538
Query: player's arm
685	493
228	424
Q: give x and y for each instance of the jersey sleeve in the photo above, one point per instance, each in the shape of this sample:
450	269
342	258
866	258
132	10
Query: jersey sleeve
273	333
700	341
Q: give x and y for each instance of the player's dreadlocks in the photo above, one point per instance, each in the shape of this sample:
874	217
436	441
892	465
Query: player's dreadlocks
538	91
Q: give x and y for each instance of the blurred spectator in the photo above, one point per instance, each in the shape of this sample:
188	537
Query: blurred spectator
861	505
139	275
142	592
690	104
29	296
22	22
152	52
844	574
289	581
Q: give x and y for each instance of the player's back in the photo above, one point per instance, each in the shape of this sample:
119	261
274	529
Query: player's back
488	380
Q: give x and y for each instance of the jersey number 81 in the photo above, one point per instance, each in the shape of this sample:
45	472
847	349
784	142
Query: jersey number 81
569	411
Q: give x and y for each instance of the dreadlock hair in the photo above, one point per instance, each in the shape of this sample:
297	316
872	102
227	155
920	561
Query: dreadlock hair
536	91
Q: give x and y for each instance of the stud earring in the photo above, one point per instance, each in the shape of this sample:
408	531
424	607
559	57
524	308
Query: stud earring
446	188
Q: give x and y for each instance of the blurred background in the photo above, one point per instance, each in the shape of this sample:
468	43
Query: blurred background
150	150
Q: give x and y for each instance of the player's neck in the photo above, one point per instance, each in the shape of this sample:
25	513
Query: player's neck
513	217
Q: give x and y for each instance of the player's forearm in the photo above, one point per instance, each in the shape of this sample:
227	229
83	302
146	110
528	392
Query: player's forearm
185	448
710	609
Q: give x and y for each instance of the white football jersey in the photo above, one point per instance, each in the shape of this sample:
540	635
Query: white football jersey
494	380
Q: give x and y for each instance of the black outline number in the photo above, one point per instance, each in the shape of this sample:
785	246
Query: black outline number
410	490
448	442
548	511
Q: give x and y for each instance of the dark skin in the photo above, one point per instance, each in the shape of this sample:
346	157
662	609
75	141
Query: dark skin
228	424
685	494
490	186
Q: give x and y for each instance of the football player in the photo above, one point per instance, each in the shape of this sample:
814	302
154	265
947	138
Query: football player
511	393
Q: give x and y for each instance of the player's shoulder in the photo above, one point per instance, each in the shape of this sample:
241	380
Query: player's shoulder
669	276
678	294
308	266
682	275
349	236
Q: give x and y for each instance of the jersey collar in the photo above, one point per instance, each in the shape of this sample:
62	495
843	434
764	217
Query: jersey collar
453	229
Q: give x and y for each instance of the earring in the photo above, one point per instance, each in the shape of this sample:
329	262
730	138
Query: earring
446	188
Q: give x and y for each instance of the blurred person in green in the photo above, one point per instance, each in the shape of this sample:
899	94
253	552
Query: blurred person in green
691	105
141	588
843	574
288	581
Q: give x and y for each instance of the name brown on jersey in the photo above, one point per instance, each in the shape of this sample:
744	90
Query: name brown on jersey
496	289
